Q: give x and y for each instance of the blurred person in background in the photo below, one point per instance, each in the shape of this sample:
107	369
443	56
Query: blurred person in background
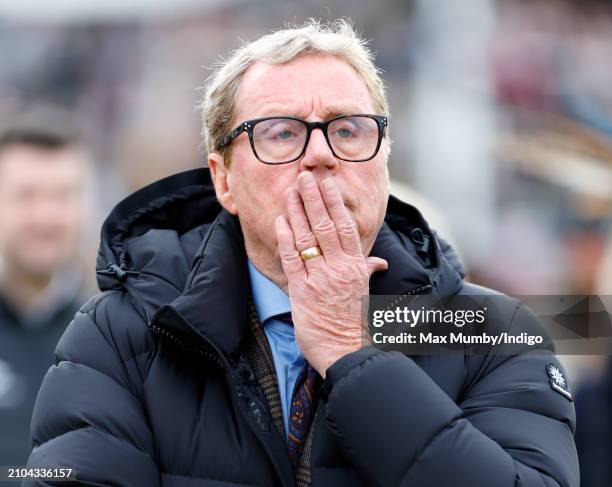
44	170
594	395
594	417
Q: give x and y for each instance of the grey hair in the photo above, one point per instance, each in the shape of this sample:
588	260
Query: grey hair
337	38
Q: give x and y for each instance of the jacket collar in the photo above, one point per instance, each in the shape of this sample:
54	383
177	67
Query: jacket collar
215	301
211	295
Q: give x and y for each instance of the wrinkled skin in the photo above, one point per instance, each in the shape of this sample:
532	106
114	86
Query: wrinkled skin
317	199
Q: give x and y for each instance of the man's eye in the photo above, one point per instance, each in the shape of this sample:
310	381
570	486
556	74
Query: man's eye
344	132
283	134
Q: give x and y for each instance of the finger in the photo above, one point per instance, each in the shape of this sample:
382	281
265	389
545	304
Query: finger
292	263
345	226
304	238
321	224
376	264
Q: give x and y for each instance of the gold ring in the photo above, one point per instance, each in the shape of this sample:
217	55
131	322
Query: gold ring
310	253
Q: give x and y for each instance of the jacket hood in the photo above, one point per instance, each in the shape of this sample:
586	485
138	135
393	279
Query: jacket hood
180	256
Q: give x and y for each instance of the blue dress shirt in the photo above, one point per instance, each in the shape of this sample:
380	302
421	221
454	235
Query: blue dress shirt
270	301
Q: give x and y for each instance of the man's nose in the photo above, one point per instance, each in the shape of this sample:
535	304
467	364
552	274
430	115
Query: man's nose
318	153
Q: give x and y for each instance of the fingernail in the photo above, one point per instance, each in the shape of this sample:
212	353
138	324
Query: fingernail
328	184
307	178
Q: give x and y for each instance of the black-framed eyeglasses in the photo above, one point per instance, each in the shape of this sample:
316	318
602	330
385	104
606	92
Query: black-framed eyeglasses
280	140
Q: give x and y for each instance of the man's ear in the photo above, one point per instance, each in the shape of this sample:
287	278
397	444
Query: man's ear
220	177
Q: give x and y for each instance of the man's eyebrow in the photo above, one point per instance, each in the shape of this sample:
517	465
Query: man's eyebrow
339	110
329	112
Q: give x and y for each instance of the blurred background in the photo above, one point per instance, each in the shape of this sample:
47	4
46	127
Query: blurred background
501	113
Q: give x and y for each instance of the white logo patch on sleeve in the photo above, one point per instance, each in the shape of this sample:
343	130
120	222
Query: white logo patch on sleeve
558	381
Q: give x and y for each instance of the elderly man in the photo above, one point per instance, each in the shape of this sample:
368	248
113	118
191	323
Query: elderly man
227	347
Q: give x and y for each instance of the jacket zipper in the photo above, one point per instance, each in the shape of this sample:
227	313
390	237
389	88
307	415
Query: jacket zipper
251	408
121	272
211	356
417	290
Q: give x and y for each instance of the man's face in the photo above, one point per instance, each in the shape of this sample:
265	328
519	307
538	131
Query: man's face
313	88
41	206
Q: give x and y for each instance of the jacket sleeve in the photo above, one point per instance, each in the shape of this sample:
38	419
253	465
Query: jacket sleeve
87	415
398	428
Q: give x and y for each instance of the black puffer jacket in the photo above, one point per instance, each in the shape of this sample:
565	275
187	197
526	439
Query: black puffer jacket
145	390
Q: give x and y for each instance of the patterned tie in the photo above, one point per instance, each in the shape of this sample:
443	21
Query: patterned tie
303	407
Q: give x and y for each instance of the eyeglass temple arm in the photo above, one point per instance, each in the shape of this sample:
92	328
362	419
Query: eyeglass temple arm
233	134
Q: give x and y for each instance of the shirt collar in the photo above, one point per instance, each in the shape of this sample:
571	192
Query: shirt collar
268	298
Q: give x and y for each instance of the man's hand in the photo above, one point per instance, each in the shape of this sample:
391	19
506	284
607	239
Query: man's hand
325	291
